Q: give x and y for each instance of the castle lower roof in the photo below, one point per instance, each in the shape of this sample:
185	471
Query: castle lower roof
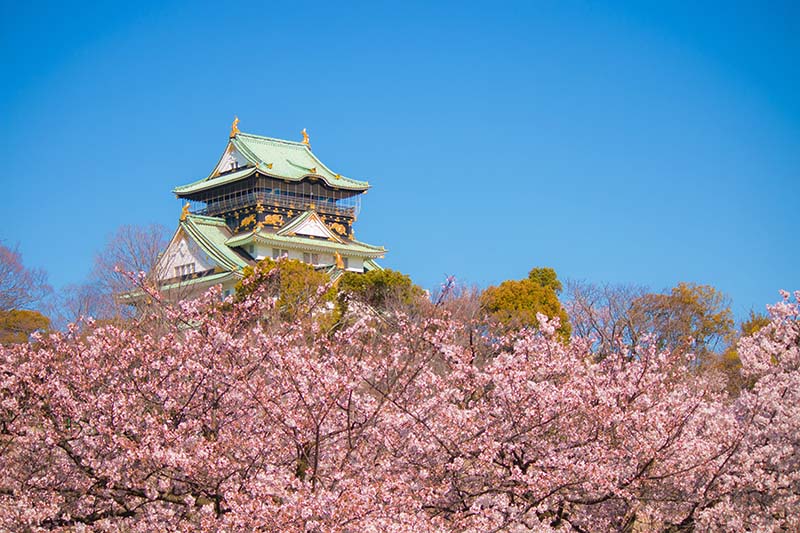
351	248
211	234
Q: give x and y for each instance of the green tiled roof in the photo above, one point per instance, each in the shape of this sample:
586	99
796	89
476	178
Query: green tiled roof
355	248
212	279
211	234
208	183
334	273
370	264
275	157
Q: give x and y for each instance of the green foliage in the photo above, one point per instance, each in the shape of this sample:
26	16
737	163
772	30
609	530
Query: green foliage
690	317
17	325
515	303
546	277
295	284
754	323
729	363
378	287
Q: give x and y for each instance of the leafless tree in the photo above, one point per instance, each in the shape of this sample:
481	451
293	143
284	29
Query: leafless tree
688	317
604	313
20	287
82	300
131	249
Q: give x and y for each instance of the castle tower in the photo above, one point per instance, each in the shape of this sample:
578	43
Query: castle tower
265	198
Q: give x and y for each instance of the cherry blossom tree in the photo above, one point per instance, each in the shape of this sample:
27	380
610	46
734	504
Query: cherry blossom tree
761	488
213	416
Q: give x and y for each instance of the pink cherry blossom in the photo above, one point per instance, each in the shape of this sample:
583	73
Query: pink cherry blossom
214	416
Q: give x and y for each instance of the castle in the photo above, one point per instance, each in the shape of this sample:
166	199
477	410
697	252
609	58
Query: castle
265	198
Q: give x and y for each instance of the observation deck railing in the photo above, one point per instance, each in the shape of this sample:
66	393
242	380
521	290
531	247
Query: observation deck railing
215	207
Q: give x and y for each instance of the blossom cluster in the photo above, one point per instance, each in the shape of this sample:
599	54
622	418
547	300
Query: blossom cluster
215	417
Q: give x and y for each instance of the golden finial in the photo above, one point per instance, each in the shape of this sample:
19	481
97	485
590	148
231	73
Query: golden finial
305	137
313	170
339	261
185	212
235	127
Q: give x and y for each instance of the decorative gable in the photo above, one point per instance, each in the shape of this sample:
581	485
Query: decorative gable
183	256
231	160
309	224
313	228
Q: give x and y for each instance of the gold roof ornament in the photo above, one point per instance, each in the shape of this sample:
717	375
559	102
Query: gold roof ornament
235	127
313	170
305	138
339	261
185	211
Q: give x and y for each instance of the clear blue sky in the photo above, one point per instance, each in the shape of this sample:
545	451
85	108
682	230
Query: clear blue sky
646	143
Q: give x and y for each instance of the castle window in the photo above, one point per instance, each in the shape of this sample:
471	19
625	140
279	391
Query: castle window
346	262
311	259
276	253
184	270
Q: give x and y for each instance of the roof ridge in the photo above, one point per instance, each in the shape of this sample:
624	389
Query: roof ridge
272	139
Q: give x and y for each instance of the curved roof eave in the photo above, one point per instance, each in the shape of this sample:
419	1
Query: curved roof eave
334	180
232	177
298	243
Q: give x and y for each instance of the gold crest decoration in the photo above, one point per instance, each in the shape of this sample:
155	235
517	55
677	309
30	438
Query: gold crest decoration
339	228
246	221
275	220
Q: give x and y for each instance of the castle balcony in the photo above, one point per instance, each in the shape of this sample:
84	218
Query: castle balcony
217	206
